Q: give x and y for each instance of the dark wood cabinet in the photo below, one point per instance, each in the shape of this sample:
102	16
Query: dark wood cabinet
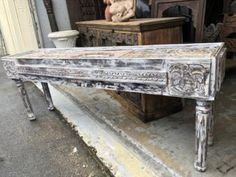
192	10
81	10
136	32
228	33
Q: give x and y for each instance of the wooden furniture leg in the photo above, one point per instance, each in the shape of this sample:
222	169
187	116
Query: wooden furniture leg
211	126
25	98
203	114
48	96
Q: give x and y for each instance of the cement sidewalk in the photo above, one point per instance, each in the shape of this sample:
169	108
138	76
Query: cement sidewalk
43	148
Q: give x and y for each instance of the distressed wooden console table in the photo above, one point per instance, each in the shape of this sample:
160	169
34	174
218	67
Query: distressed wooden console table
182	70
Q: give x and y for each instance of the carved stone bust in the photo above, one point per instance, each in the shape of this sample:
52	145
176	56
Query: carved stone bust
120	10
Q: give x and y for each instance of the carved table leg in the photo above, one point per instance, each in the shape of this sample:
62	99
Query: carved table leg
48	96
211	126
25	98
203	114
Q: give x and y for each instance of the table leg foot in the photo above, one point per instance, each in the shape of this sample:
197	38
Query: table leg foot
203	112
25	98
48	96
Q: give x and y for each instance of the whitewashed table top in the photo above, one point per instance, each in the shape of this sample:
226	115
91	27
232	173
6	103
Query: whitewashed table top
175	51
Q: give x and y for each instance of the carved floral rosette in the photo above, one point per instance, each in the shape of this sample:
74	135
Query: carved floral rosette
188	79
10	68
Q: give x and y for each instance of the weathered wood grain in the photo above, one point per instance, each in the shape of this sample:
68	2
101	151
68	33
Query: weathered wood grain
183	70
187	71
203	118
211	125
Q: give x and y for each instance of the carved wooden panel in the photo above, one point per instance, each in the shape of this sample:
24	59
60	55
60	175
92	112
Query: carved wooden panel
95	37
193	10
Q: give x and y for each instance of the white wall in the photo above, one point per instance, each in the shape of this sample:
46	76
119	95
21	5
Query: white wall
17	26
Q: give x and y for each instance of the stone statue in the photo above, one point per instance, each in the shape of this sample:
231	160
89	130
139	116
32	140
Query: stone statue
119	10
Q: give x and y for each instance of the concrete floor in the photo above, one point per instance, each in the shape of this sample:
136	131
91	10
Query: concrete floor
168	143
43	148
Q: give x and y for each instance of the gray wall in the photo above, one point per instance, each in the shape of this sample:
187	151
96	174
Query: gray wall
61	15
